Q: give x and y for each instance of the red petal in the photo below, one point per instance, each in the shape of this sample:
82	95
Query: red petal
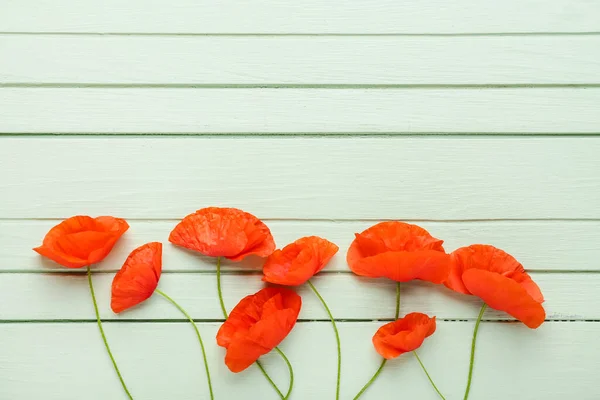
257	324
299	261
403	335
404	266
492	259
398	251
81	240
138	278
223	232
505	294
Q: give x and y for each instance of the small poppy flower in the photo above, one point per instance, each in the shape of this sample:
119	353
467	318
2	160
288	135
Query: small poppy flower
297	262
138	277
257	324
137	280
398	251
80	241
224	232
499	280
403	335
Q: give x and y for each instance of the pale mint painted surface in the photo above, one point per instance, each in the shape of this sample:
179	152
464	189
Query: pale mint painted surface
478	120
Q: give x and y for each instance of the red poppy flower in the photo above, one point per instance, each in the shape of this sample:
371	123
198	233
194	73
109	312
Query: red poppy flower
257	324
81	240
224	232
398	251
299	261
499	280
138	277
403	335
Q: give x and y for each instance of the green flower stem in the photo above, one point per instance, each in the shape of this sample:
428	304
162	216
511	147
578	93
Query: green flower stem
383	361
210	388
397	301
262	369
428	376
89	275
290	369
264	372
223	309
479	317
337	339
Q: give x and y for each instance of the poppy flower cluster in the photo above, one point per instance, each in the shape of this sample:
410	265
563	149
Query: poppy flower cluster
403	252
260	321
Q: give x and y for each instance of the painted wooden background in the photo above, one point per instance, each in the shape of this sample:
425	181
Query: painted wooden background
479	120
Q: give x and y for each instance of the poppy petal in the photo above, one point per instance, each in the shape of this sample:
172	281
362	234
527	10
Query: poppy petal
223	232
523	279
398	251
60	258
138	278
502	293
395	236
404	266
80	241
403	335
299	261
257	324
243	353
262	337
481	256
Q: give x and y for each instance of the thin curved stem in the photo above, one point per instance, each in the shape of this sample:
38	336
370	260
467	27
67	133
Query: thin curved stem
89	275
210	388
290	369
479	317
223	309
397	300
428	376
337	339
262	369
264	372
383	361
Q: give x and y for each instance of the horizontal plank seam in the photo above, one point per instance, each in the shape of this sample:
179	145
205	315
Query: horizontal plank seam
325	86
230	271
177	320
342	220
298	135
290	34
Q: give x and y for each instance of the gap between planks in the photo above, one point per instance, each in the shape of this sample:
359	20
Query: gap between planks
300	321
282	34
297	135
325	86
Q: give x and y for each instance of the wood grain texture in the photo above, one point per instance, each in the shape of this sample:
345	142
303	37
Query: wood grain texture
96	110
315	60
66	297
538	245
427	178
307	17
279	75
162	361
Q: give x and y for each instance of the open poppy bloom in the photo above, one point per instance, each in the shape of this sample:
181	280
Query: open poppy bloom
138	277
403	335
398	251
80	241
257	324
499	280
224	232
298	261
